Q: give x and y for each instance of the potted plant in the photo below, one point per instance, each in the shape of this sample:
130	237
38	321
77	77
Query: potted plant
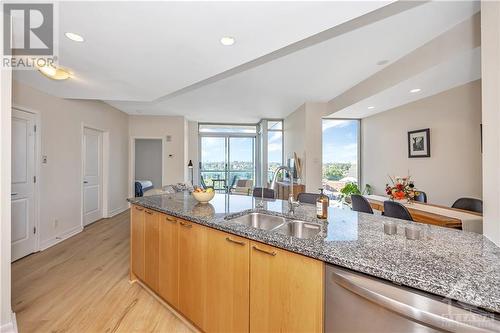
352	188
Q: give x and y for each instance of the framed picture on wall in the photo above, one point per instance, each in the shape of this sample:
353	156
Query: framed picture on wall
419	143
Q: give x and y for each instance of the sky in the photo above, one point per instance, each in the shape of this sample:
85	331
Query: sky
241	149
339	144
340	141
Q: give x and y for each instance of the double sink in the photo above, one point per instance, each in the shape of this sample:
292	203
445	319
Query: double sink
281	225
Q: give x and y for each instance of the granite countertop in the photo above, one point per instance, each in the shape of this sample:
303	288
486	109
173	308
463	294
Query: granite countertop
457	265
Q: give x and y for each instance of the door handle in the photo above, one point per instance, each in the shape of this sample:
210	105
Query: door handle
12	194
186	225
408	310
85	182
229	239
139	209
171	219
149	212
271	253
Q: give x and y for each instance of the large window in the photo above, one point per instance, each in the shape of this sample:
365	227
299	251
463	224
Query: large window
227	154
340	154
274	146
227	128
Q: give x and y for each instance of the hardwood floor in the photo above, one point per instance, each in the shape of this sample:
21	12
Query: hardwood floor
81	285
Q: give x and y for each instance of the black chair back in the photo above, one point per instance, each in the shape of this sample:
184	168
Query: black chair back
268	193
309	198
396	210
421	197
474	205
360	204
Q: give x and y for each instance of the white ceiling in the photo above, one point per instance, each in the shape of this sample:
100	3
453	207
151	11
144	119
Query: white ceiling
464	67
166	59
140	51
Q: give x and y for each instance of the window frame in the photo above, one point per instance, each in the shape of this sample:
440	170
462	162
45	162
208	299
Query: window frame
265	168
359	143
227	136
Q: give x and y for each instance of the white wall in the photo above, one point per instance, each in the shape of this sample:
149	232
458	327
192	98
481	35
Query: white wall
303	135
454	168
61	141
148	160
490	68
174	152
6	323
314	145
193	150
294	137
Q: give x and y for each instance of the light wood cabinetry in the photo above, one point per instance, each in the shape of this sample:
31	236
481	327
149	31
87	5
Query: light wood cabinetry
151	248
228	279
137	242
283	190
286	291
225	283
169	260
192	271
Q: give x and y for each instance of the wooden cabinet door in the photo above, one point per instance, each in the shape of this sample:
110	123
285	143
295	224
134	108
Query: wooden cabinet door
151	244
192	271
228	279
137	242
168	260
286	291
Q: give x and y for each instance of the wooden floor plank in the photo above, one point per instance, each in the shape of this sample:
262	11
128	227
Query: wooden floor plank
81	285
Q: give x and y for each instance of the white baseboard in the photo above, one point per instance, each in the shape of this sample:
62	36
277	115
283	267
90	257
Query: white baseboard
117	211
11	326
59	238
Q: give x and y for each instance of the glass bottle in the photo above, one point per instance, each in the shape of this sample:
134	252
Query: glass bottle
322	206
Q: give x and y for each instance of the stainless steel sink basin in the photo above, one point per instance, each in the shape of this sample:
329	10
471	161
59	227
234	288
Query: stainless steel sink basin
259	221
299	229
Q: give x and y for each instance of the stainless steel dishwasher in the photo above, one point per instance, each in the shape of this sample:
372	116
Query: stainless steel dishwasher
358	303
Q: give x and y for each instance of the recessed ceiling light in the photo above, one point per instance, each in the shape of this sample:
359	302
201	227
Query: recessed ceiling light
74	37
371	107
227	40
416	90
54	73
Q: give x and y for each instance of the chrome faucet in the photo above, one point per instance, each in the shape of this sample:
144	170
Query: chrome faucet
291	201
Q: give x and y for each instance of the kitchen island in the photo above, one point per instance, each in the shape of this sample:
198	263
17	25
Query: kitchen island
456	265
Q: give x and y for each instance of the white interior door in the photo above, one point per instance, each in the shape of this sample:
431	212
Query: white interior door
92	175
23	184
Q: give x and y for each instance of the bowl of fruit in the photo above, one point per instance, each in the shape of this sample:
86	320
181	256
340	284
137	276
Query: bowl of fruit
203	195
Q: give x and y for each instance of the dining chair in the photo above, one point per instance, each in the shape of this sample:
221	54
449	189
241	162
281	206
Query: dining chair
203	184
308	198
421	197
268	193
360	204
474	205
396	210
233	182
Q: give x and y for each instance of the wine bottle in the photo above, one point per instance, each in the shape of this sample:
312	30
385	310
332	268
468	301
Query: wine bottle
322	206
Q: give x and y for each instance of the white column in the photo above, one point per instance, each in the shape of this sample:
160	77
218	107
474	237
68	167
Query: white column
7	323
490	63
